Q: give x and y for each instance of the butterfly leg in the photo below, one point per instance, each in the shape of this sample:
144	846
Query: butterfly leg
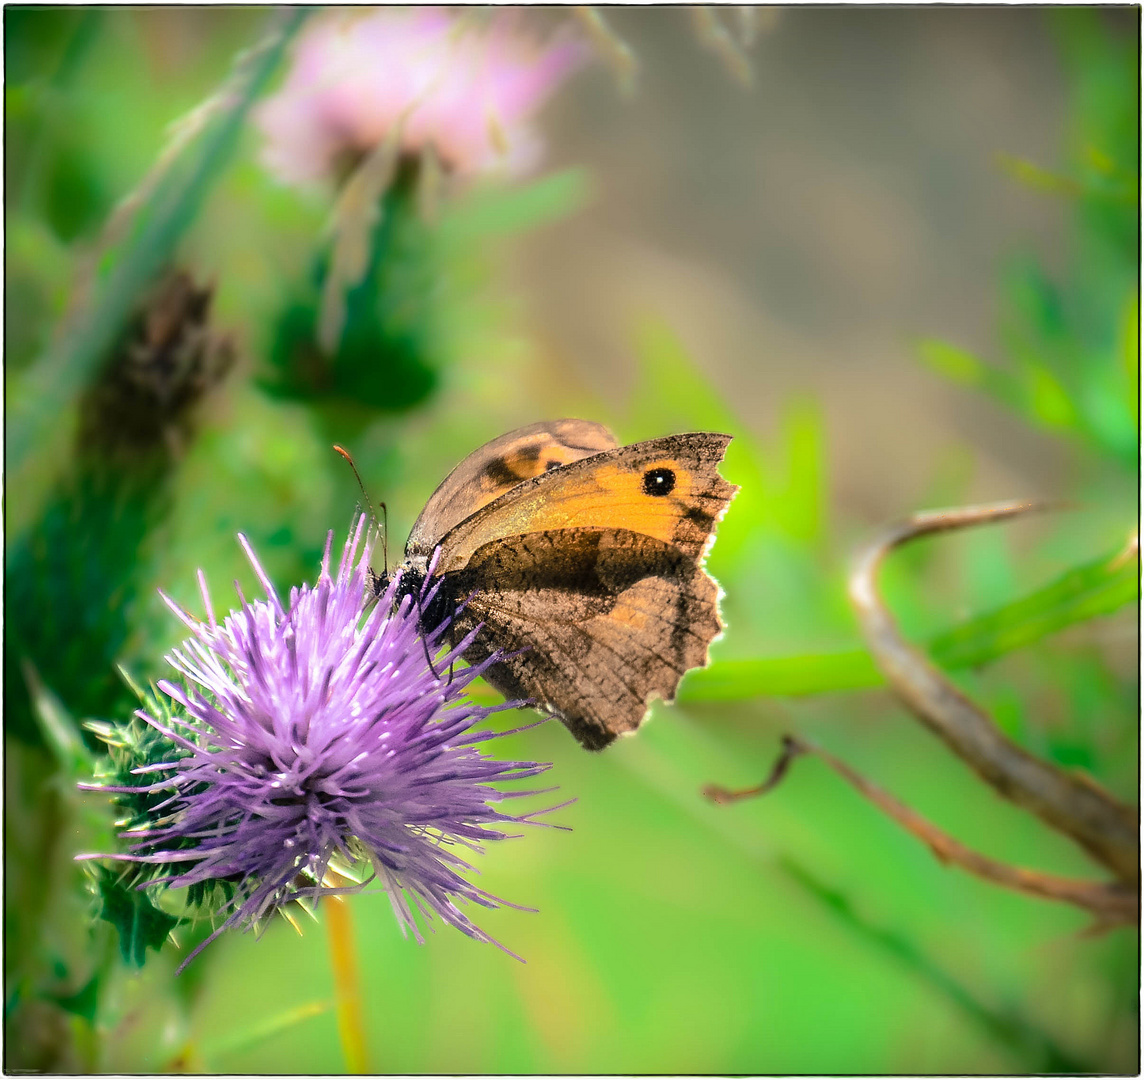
424	637
452	647
429	660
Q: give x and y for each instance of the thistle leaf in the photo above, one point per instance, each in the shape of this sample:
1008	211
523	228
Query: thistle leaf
140	925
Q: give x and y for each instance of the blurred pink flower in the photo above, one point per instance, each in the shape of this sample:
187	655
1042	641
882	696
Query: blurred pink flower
465	84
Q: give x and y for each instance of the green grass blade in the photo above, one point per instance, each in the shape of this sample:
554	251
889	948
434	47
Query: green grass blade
781	676
1084	592
165	214
268	1029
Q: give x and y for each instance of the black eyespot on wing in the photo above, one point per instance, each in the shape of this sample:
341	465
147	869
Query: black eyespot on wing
659	481
550	465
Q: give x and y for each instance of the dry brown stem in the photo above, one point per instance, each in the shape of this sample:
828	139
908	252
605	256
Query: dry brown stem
1071	804
1112	903
721	795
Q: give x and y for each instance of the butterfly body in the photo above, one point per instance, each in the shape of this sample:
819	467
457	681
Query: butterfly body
582	562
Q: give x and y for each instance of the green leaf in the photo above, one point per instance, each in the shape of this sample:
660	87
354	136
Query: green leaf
1033	176
955	364
1034	298
1103	179
1084	592
785	676
61	733
499	211
1049	401
140	925
83	1003
162	219
965	369
673	393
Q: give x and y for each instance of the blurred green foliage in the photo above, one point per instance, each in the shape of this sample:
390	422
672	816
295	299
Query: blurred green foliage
1072	345
801	933
168	202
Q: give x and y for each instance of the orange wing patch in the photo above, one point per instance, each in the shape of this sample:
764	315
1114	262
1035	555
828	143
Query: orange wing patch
614	497
668	489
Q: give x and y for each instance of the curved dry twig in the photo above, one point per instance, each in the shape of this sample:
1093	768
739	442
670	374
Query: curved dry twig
1071	804
1112	903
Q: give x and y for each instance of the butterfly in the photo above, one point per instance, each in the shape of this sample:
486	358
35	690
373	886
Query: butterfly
583	562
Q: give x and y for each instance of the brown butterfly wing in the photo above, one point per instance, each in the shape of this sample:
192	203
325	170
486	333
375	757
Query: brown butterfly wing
607	620
610	490
498	467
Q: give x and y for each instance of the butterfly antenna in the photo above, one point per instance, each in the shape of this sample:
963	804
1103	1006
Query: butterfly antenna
384	519
384	539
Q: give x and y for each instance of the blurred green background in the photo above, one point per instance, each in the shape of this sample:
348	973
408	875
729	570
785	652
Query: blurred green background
901	268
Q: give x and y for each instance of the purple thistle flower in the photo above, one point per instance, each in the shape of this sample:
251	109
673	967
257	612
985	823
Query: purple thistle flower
319	745
465	84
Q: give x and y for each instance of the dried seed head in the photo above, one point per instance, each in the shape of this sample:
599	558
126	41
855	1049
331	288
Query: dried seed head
165	363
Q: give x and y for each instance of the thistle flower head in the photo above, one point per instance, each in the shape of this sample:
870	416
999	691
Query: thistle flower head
464	84
313	748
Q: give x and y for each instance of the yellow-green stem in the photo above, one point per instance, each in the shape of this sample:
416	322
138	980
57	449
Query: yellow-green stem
347	985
